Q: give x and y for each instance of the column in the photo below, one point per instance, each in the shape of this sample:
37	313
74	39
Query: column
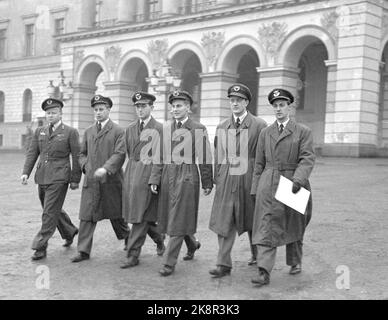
88	14
170	8
82	114
126	11
123	112
214	100
269	79
354	127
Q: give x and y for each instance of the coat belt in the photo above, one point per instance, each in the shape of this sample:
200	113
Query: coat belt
282	166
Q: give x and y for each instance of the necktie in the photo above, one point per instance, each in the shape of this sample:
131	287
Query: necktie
281	127
238	123
51	129
141	126
179	124
98	127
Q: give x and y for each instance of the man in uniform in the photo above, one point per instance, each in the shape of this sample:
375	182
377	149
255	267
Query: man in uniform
184	141
101	158
235	149
53	144
139	203
284	148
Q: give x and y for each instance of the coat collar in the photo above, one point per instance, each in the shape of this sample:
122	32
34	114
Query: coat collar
244	125
57	131
108	126
289	129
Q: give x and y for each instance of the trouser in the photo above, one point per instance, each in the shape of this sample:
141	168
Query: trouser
156	236
266	255
138	235
191	243
52	197
173	248
225	245
253	247
86	230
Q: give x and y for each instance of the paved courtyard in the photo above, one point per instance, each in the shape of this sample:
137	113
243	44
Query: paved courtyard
346	237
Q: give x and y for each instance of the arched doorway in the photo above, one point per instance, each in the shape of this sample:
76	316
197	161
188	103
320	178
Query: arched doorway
243	61
187	64
90	82
382	138
312	90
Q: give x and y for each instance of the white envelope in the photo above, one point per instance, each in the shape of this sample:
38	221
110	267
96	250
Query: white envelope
297	201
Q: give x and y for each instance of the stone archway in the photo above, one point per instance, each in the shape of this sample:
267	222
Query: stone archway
188	65
92	72
242	61
306	53
382	138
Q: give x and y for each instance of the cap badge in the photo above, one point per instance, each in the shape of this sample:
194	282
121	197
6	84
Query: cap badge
96	98
276	93
49	102
236	88
176	93
138	96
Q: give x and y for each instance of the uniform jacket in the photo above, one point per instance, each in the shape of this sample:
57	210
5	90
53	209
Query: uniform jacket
53	152
102	199
179	183
232	200
289	154
139	203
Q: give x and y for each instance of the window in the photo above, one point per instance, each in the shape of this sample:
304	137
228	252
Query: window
2	43
2	104
59	25
27	105
152	10
29	39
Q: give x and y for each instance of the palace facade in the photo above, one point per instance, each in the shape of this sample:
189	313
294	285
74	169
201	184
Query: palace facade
331	54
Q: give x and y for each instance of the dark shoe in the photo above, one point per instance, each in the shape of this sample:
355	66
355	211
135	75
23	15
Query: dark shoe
262	279
190	254
80	257
131	262
160	248
166	270
252	261
296	269
69	242
220	272
39	254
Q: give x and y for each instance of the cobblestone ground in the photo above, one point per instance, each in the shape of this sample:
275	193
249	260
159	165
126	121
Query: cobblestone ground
348	228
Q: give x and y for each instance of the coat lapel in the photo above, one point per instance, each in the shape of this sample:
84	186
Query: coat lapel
288	130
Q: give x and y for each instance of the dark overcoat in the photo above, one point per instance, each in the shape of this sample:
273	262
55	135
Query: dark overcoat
101	199
54	155
139	203
179	181
289	154
233	177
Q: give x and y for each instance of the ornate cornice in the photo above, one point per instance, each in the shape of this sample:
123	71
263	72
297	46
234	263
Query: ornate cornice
198	17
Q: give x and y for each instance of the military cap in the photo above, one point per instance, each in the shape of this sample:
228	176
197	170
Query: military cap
99	99
180	95
143	97
240	90
280	94
51	103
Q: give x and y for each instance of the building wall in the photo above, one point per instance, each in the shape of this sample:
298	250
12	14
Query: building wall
344	89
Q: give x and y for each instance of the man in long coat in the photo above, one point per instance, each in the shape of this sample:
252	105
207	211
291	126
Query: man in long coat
101	158
178	180
284	148
235	150
53	144
142	140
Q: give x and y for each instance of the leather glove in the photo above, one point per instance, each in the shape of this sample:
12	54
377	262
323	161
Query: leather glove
295	187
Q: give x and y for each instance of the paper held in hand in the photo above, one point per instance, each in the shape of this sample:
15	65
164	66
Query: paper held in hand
297	201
